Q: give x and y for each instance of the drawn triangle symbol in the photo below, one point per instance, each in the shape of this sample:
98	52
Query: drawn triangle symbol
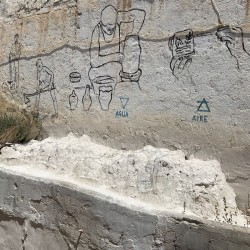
203	107
124	101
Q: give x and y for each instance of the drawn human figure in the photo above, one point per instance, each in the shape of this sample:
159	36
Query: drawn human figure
115	40
234	40
14	56
181	45
45	84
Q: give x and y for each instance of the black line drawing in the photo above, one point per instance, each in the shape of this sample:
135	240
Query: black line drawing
203	107
132	56
14	56
45	84
233	37
75	77
73	100
181	45
105	96
115	50
124	101
87	100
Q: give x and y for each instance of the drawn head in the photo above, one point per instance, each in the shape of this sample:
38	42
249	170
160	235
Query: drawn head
16	37
109	19
39	64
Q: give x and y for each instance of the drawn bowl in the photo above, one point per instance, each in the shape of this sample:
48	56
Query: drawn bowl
75	77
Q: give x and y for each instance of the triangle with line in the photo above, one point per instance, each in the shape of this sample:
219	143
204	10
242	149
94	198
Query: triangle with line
203	107
124	101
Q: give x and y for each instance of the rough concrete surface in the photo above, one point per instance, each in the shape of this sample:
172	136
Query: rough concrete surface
159	177
72	193
170	74
46	214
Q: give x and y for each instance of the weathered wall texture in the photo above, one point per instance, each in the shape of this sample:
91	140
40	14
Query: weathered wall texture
38	214
165	73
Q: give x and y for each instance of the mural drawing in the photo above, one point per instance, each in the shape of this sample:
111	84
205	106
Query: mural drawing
73	100
115	51
87	100
45	84
14	56
234	40
75	77
181	45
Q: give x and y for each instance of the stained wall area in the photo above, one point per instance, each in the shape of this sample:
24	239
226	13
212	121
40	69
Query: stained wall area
171	74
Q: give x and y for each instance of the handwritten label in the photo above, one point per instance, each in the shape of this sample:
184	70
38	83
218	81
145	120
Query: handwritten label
200	118
122	114
11	110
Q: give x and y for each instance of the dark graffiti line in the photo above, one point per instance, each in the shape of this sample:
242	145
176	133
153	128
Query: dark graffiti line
27	58
211	31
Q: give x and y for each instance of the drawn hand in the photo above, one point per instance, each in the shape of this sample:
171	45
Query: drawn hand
43	85
233	38
179	64
182	46
119	57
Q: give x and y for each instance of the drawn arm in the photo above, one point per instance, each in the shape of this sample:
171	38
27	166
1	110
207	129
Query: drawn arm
49	72
46	79
134	16
19	51
12	53
96	59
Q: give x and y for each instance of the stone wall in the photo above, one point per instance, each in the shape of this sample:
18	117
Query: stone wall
167	73
38	213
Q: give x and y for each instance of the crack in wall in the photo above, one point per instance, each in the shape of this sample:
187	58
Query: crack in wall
216	10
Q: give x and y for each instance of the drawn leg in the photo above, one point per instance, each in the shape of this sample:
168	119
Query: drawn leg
11	74
17	74
37	102
53	96
15	67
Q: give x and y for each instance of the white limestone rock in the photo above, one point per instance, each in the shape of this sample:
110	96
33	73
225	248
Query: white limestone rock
162	178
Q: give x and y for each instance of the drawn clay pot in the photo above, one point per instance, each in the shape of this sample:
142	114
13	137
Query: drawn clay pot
87	100
75	77
73	100
105	96
131	62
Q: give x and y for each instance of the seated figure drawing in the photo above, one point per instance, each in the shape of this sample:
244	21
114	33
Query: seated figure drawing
115	51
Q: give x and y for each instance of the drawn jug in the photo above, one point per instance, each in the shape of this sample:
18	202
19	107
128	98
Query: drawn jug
86	100
73	100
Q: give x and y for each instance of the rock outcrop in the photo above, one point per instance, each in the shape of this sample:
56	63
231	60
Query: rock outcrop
129	74
72	192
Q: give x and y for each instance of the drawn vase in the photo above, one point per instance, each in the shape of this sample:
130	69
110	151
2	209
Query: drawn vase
73	100
131	62
87	100
105	96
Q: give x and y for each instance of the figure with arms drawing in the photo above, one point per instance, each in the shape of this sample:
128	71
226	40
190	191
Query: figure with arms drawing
115	51
45	84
